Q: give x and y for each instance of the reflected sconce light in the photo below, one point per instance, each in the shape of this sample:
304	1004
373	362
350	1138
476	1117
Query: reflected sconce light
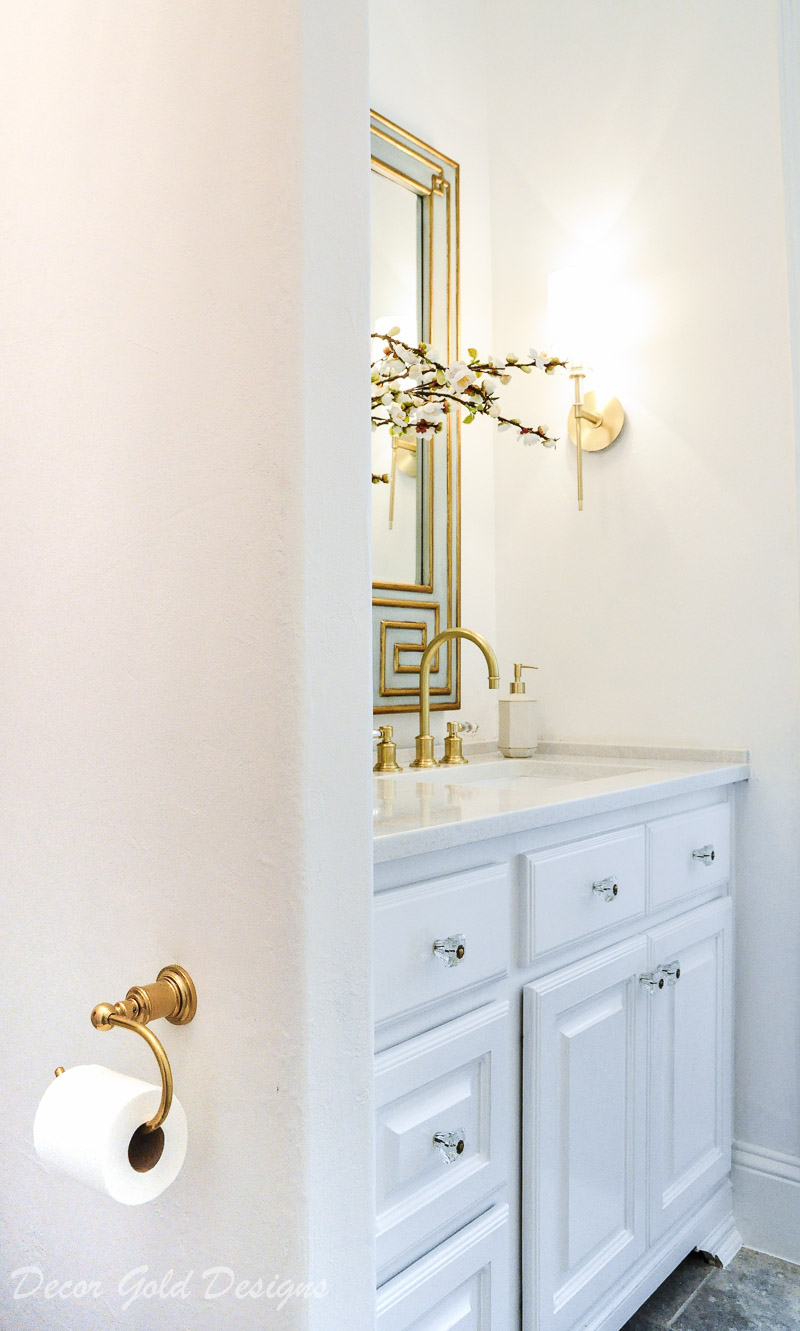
576	308
404	446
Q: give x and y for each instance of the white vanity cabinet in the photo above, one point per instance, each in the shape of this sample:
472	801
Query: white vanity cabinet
553	1104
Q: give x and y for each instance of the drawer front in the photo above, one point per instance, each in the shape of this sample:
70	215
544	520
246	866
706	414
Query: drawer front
571	889
676	868
451	1082
461	1286
409	921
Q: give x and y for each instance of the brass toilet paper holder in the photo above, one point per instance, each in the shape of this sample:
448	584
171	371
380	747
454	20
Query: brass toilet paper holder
173	996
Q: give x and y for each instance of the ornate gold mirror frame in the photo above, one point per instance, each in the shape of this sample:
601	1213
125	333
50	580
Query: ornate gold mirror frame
406	615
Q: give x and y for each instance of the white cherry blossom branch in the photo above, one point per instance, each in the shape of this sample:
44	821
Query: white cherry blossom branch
413	389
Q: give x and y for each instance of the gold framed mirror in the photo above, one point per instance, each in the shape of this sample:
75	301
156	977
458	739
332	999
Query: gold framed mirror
416	501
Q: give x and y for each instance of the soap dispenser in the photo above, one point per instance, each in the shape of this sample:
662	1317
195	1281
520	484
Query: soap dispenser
518	733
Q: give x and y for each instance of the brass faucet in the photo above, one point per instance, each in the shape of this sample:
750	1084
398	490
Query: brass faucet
425	756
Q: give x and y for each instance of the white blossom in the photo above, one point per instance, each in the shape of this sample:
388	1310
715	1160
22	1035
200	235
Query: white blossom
432	412
461	376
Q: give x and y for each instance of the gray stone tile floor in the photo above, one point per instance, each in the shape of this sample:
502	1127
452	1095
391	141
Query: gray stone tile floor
754	1293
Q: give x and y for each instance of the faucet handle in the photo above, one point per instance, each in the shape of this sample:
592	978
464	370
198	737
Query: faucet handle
387	750
453	750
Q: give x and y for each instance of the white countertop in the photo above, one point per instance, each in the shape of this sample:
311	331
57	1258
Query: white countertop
417	812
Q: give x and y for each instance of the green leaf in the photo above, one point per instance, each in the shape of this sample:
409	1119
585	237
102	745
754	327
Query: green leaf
469	418
472	353
440	376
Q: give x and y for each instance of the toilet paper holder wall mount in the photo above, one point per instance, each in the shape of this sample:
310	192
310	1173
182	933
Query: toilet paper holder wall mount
173	996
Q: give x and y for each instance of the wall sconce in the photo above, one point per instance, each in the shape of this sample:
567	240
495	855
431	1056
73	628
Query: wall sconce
576	305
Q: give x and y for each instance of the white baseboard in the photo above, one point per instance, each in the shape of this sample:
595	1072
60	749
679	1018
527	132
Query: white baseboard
766	1192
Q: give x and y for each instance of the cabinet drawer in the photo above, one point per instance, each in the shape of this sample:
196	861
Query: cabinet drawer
571	889
675	866
409	921
461	1286
452	1081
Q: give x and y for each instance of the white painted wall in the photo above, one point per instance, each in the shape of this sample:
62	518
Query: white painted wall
668	609
184	648
440	95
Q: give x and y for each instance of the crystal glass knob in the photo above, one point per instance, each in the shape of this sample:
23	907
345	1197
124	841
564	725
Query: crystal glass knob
671	972
653	981
451	1145
705	854
607	888
451	950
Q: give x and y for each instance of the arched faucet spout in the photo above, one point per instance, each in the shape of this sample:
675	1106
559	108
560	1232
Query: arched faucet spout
424	755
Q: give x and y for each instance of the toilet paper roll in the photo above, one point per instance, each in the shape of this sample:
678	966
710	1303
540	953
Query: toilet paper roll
85	1124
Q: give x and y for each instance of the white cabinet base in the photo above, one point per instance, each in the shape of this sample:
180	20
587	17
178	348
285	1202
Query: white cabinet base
712	1229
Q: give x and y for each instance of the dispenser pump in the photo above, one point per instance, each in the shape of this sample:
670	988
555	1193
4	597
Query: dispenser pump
518	729
518	685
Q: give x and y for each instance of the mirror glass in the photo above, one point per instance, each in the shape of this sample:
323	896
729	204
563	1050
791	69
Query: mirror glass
415	492
398	501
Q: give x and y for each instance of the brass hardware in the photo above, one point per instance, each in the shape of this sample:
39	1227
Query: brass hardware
451	950
603	427
705	854
453	747
173	996
387	751
607	888
653	981
671	972
518	685
383	479
425	755
59	1072
451	1145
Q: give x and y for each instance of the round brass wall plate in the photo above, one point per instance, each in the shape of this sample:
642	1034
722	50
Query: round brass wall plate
183	982
596	437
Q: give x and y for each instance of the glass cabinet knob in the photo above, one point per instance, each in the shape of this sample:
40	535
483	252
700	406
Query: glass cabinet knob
607	888
705	855
451	950
652	981
451	1145
671	972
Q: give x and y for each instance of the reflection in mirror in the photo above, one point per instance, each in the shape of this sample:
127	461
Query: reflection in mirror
398	501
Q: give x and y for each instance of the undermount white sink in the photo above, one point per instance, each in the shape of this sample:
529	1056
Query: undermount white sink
501	771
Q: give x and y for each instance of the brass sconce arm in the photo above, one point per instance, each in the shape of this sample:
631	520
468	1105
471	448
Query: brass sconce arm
602	429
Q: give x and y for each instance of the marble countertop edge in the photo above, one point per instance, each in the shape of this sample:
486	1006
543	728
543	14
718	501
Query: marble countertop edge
659	783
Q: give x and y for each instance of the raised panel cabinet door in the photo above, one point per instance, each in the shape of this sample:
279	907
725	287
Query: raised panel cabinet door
460	1286
584	1133
690	1062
